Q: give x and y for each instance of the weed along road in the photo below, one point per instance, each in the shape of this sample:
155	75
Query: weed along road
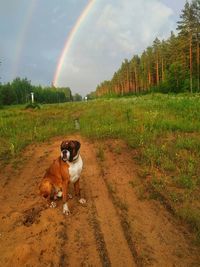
117	227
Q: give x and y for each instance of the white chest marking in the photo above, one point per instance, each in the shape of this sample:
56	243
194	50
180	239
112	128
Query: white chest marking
75	169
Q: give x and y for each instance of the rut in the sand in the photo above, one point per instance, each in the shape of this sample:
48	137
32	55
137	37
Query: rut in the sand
115	228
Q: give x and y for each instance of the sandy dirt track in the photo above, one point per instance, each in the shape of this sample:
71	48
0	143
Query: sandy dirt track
114	228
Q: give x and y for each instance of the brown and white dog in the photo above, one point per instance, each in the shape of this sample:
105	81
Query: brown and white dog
67	168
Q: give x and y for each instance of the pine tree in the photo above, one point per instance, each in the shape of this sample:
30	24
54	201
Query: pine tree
186	28
156	50
196	9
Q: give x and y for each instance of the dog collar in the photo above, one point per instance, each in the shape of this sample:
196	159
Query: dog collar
76	157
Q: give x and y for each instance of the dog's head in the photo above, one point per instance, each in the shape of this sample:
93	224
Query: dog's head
69	150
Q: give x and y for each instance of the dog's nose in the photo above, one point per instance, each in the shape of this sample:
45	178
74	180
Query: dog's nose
66	153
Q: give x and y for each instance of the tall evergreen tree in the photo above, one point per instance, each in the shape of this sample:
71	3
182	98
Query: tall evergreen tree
186	28
196	9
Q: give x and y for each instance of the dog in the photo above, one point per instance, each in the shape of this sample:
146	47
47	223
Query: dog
65	169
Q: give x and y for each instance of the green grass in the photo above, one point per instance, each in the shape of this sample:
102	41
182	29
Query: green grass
164	129
100	153
192	217
19	127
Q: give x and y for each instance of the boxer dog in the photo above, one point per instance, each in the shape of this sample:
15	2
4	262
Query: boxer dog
67	168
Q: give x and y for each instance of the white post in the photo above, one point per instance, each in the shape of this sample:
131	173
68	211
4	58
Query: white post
32	97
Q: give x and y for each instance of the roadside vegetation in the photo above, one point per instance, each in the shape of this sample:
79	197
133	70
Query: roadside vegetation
162	132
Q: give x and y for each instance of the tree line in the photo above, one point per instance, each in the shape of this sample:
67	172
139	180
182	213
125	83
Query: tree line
170	65
19	92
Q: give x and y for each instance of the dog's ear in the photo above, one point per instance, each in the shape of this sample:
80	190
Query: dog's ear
77	145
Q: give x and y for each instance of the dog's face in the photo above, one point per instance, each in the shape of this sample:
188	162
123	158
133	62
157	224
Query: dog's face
69	150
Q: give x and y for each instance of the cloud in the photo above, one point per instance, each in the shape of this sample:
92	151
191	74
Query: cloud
133	24
114	30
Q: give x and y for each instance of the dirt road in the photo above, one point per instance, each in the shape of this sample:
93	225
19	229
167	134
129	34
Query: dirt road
115	228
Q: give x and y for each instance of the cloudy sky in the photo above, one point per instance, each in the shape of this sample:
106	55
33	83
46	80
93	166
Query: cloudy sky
33	34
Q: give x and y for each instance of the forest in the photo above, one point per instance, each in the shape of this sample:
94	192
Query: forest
168	66
19	92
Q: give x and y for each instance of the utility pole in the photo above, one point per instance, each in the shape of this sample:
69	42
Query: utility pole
32	97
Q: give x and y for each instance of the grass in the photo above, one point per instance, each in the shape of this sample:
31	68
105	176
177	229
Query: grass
192	217
163	129
20	127
100	153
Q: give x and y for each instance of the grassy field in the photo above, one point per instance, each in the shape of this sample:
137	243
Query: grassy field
162	130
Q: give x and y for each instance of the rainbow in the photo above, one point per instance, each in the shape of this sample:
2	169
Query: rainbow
22	37
69	41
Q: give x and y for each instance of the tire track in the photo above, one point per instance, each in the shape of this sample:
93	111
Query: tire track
80	247
157	238
100	242
116	245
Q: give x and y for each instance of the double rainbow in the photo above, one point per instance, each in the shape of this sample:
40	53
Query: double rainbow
69	41
22	36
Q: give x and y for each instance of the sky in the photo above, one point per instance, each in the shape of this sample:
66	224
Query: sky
78	43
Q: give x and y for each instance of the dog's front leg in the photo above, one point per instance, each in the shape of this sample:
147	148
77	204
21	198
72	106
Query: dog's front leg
65	186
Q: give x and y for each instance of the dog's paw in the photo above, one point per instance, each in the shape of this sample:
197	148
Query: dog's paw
52	205
82	201
66	210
